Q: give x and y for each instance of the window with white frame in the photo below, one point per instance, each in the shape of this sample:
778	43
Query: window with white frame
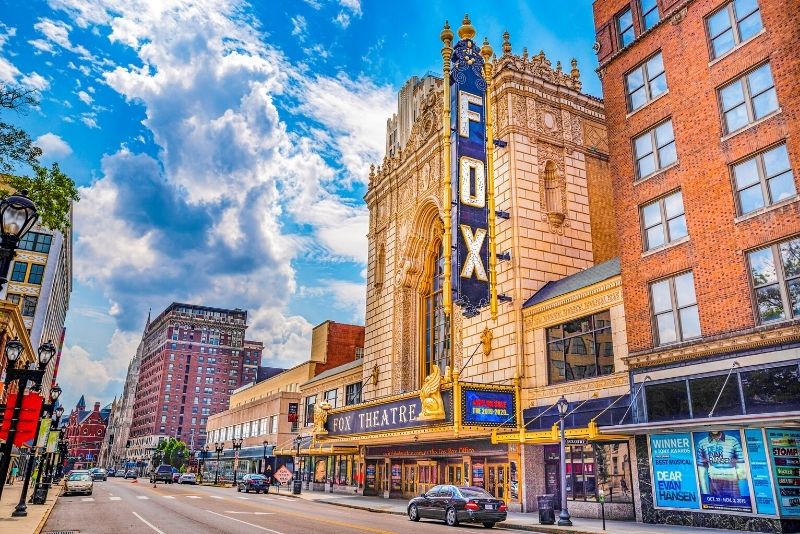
655	150
732	25
775	275
664	221
273	423
645	82
675	314
763	180
748	99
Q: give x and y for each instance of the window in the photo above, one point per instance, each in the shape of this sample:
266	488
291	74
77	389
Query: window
581	348
590	468
649	10
352	393
18	274
311	400
654	150
436	326
13	298
748	99
763	180
625	28
646	82
776	389
36	273
775	272
667	402
36	242
330	396
664	221
732	25
704	392
675	315
359	353
29	306
273	424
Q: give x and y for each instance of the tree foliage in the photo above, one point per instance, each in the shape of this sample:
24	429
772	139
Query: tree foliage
173	452
50	189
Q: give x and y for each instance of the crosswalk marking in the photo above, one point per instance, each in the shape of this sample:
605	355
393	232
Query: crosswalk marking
88	499
115	498
143	497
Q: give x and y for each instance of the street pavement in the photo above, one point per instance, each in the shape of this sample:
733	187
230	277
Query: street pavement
123	506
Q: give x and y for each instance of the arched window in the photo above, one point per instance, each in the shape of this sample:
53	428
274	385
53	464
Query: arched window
435	324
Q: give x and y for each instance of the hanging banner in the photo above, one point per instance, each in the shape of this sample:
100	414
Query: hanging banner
722	471
44	430
470	214
28	419
759	471
784	447
52	442
674	478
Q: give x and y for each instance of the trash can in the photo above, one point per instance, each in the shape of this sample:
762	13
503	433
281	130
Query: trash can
547	514
297	486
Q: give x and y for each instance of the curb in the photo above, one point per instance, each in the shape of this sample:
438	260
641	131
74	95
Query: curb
546	529
46	516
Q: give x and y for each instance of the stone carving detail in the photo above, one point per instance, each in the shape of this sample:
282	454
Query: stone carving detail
549	120
566	120
425	177
595	138
518	112
577	130
583	306
541	67
457	343
531	106
502	112
552	187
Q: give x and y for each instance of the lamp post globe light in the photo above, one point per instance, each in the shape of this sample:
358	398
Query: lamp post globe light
17	216
13	350
218	448
563	517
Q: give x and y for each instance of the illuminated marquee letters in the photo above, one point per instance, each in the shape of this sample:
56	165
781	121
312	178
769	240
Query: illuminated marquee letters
473	262
472	174
465	115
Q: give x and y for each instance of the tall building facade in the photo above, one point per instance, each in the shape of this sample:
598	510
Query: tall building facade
192	359
85	431
40	283
702	111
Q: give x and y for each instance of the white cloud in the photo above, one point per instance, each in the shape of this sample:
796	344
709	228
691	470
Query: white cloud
42	45
342	19
52	145
8	71
89	120
36	81
57	32
299	26
84	97
353	5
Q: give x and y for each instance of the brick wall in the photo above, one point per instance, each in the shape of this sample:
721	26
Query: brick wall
717	245
342	341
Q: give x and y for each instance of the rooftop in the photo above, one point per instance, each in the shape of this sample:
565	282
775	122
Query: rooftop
587	277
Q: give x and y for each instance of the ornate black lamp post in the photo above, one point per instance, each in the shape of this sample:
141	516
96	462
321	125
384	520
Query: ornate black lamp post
563	517
17	217
296	483
203	453
40	489
237	445
218	447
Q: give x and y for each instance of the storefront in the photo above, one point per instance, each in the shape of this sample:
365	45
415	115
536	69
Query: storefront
718	443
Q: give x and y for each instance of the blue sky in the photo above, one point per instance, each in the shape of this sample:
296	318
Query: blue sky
222	150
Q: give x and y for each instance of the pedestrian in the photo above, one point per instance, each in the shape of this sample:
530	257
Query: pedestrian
14	471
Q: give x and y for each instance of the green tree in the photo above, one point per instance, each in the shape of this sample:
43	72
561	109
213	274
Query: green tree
173	452
50	189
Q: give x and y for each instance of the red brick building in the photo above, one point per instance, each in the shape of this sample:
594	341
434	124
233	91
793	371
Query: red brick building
703	109
85	430
193	358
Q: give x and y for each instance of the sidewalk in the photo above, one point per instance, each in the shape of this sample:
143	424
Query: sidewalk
37	513
515	520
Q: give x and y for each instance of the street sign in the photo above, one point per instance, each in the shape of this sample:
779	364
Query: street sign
283	475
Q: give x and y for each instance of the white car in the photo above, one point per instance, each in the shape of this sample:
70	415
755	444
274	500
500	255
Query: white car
187	478
78	482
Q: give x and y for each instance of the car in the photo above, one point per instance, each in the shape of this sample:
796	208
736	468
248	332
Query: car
163	473
131	473
99	474
457	504
176	476
187	478
78	482
112	471
252	481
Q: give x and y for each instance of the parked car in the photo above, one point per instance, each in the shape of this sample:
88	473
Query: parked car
99	473
112	471
252	481
161	473
176	475
458	504
78	482
131	473
187	478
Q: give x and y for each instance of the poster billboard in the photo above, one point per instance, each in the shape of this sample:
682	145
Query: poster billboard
784	448
759	471
674	475
722	471
488	408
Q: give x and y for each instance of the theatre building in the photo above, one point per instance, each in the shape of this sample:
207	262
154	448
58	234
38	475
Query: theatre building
702	107
446	363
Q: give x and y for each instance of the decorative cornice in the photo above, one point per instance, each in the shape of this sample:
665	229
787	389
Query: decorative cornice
595	297
579	386
751	340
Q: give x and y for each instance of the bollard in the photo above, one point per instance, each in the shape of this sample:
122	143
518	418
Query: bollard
603	507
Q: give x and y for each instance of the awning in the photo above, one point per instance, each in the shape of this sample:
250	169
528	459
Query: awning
774	420
317	451
591	432
244	453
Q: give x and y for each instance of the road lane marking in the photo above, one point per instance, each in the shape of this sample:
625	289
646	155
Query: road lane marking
143	520
245	498
87	499
193	497
244	522
168	496
143	497
115	498
249	513
216	497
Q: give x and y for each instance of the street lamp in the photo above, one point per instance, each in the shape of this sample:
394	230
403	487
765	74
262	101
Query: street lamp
218	447
237	445
13	351
296	484
563	517
203	453
45	463
17	217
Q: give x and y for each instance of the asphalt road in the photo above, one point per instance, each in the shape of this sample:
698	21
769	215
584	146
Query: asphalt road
122	506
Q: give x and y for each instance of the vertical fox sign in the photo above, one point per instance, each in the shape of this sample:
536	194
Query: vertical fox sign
470	196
